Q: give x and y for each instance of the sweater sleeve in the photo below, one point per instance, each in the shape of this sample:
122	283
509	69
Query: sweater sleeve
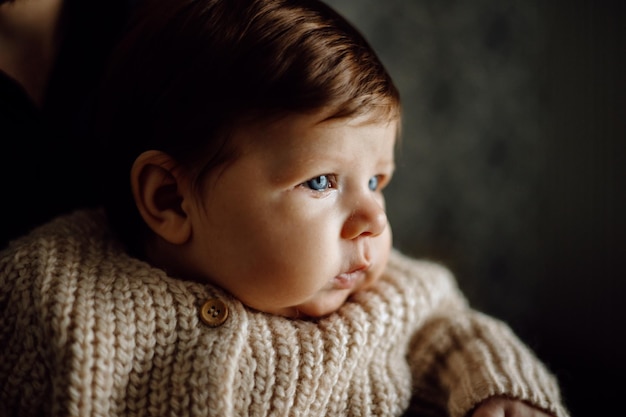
24	383
472	357
460	357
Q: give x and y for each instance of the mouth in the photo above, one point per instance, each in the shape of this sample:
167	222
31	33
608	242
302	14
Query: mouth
349	280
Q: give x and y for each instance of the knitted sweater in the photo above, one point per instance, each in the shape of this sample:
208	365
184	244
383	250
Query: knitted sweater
87	330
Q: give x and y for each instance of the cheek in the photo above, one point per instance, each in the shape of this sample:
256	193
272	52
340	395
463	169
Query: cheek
298	248
308	228
284	239
383	245
389	236
295	256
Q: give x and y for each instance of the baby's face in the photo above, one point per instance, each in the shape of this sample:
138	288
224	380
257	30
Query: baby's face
296	223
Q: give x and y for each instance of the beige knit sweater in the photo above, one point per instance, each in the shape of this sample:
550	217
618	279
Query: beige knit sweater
88	331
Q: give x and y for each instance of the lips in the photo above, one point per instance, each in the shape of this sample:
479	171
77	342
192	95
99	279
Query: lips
348	280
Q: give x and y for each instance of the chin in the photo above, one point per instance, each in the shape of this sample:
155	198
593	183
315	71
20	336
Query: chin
319	309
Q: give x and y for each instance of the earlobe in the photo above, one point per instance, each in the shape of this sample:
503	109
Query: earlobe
158	191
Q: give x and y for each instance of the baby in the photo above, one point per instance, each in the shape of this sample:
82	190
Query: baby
243	264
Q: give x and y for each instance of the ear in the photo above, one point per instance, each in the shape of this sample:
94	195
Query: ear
159	191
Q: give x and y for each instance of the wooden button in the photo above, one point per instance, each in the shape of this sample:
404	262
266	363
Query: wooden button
214	312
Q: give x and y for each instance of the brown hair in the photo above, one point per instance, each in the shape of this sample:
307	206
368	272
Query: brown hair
187	72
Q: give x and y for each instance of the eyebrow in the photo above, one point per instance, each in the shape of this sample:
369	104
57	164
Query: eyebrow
389	163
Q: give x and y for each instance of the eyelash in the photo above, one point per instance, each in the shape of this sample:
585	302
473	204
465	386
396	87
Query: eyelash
377	179
324	182
328	182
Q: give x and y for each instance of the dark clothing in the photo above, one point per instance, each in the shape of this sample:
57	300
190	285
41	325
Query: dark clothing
40	172
48	158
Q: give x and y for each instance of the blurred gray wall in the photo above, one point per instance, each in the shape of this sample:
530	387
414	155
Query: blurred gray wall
512	167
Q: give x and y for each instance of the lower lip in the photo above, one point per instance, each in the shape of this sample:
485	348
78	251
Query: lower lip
349	280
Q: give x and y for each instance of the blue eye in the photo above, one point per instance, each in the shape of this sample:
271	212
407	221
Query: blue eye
320	183
373	183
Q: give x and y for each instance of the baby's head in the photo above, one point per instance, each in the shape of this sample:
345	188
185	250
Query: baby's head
251	141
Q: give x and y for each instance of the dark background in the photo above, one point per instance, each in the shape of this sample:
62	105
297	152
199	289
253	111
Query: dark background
512	168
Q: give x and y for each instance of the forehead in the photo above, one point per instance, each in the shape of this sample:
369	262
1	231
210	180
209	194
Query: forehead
291	150
314	132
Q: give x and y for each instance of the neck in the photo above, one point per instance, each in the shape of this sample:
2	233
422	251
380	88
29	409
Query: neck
29	34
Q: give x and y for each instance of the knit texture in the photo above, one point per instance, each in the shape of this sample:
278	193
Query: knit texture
87	330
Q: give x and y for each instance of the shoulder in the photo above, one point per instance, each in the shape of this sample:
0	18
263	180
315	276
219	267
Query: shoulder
423	285
401	264
72	277
51	240
80	249
425	274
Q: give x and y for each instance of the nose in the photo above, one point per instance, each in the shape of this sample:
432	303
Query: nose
368	218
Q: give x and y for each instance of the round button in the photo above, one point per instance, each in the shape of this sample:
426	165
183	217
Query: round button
214	312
